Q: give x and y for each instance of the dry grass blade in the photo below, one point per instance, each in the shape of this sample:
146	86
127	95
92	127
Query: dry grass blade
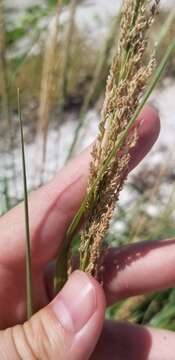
47	81
29	288
3	67
67	47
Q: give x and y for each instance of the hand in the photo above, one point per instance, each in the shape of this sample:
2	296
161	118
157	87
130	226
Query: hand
69	326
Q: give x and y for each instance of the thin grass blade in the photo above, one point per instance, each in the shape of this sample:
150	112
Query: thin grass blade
29	287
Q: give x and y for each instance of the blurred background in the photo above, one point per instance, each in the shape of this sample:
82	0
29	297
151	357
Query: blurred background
58	54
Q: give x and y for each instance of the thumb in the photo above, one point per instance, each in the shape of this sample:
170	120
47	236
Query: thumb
68	328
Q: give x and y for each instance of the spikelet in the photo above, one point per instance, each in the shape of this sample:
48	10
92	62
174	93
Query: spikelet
129	75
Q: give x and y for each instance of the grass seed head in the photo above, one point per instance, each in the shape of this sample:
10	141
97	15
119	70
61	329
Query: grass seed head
129	75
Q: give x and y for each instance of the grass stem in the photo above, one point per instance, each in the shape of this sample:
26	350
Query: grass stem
29	287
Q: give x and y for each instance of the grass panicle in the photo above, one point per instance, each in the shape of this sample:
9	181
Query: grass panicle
126	83
118	145
129	86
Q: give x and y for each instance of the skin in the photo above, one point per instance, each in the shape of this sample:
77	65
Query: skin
70	326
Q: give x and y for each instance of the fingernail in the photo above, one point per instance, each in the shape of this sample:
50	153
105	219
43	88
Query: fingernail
76	303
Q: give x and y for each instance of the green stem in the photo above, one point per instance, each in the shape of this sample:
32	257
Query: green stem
29	287
165	29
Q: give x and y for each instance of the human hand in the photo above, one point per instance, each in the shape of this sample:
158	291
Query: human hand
69	326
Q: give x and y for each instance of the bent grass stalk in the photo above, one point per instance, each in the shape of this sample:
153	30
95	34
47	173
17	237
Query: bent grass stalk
29	287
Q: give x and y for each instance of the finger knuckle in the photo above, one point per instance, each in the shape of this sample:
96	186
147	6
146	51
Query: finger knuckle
41	338
48	340
18	345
